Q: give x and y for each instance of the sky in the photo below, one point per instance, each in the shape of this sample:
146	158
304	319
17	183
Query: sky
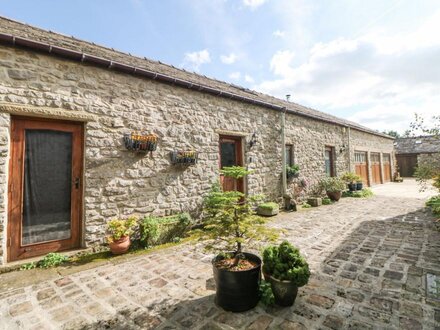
374	62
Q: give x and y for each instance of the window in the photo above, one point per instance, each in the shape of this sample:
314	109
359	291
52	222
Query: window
290	159
329	161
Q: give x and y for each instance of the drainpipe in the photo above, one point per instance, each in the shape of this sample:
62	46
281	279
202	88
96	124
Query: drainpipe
283	155
349	150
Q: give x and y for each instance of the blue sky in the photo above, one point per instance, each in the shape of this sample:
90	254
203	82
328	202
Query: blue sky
374	62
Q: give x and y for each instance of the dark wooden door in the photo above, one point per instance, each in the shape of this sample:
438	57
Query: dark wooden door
44	187
361	167
231	154
375	168
386	167
406	164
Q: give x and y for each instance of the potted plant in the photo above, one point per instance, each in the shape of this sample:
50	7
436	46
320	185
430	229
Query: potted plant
119	234
292	171
351	179
286	270
333	187
268	209
359	184
231	222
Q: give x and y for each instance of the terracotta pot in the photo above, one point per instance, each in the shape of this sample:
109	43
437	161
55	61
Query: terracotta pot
334	195
120	246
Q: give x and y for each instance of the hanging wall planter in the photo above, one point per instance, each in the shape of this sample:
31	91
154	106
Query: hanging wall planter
184	157
140	143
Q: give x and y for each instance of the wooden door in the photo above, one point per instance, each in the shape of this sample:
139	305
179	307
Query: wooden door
361	167
231	154
44	187
386	167
406	164
375	167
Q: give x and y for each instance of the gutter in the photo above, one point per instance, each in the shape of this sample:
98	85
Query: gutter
70	54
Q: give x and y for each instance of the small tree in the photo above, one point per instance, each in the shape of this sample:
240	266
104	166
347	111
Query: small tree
231	218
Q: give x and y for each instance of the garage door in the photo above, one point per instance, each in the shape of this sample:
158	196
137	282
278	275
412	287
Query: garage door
386	167
360	161
375	167
406	164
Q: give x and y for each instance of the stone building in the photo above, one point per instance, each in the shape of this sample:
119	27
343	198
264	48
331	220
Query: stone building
66	105
411	151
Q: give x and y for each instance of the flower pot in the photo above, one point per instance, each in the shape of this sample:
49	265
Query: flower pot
285	292
267	212
352	186
120	246
334	195
237	291
359	186
314	201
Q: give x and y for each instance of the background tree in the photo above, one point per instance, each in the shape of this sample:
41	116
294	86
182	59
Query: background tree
392	133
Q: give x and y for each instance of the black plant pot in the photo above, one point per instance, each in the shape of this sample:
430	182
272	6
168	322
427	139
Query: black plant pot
285	292
237	291
359	186
352	186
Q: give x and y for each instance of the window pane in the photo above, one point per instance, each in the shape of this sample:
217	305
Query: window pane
227	154
328	164
289	155
47	186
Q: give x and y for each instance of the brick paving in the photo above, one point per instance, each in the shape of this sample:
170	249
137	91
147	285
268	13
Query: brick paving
369	260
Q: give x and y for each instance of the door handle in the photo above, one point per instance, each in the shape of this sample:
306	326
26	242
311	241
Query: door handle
77	182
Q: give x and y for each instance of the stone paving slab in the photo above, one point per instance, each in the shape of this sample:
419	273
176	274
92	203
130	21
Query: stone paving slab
369	260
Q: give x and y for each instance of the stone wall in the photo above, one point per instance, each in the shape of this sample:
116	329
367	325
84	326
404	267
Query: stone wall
119	182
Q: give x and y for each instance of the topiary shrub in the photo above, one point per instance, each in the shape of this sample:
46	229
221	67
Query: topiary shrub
285	263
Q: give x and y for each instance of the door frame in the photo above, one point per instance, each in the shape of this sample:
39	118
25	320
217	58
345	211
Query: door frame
239	151
15	251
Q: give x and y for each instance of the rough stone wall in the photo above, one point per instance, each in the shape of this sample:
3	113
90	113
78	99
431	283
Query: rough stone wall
4	161
429	159
119	182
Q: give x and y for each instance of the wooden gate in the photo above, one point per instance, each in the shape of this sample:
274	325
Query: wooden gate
406	164
386	167
375	167
361	168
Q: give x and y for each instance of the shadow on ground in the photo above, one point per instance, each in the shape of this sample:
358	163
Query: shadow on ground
374	279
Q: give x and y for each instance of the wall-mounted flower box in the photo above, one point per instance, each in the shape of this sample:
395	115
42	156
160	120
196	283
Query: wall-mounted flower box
140	143
184	157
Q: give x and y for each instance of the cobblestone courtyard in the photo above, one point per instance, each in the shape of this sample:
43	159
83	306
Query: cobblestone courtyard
369	260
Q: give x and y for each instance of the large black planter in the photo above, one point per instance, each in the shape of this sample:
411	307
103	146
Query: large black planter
285	292
352	186
359	186
237	291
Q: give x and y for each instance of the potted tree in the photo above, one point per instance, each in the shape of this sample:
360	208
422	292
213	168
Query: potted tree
351	179
231	223
119	234
286	270
333	187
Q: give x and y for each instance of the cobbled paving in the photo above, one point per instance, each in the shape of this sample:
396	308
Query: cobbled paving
369	260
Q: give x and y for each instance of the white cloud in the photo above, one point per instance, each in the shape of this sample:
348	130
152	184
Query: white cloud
388	77
229	59
253	3
195	59
249	79
279	34
235	75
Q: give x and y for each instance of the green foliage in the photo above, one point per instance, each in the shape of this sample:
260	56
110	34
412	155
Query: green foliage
392	133
292	170
119	228
332	184
434	204
364	193
52	260
159	230
230	217
269	206
350	177
306	205
266	295
285	263
326	201
29	265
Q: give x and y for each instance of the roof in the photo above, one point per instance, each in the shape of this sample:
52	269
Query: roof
18	34
417	145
